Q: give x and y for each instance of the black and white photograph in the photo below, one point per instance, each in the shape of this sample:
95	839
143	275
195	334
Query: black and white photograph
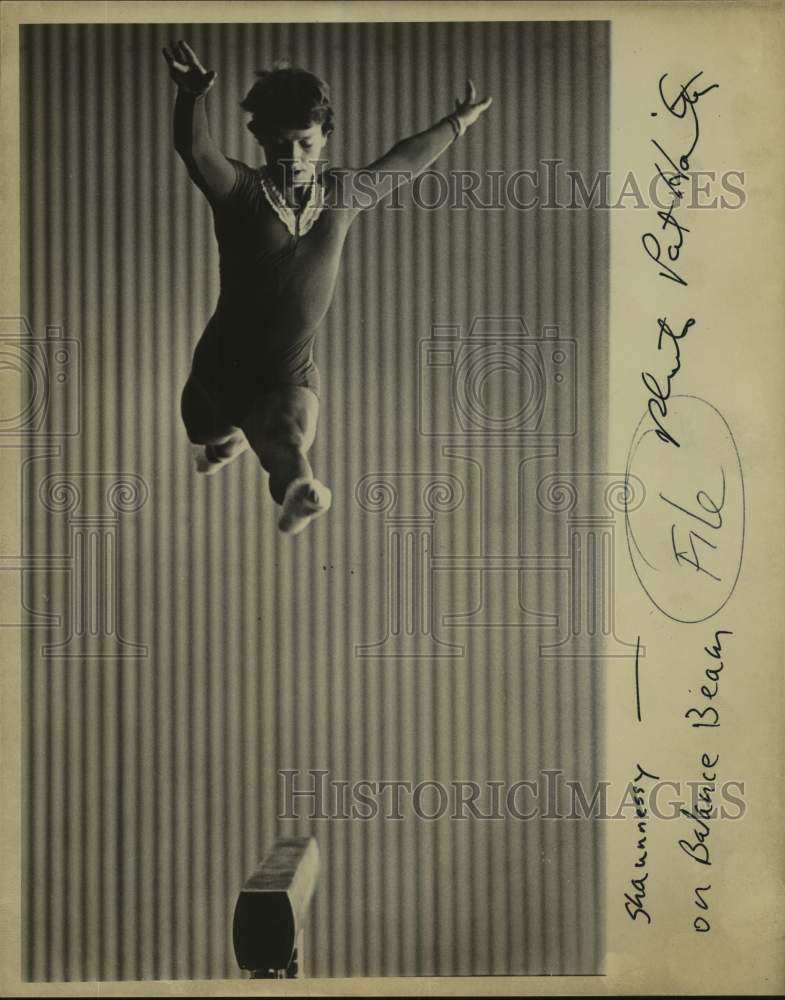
381	583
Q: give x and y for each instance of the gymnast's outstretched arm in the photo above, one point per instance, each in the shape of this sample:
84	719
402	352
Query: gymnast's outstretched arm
409	157
207	166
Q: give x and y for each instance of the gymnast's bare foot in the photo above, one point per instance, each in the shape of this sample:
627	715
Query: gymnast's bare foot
304	500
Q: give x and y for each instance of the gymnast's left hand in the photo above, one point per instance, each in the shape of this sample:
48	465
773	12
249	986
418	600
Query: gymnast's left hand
470	109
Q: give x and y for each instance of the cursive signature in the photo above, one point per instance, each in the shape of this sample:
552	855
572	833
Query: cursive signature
681	106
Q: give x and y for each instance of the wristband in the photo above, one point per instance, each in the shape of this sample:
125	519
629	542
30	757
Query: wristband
458	126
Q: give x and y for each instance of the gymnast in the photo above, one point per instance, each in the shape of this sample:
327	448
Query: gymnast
280	230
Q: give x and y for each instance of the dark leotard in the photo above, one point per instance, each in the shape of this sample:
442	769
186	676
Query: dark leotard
275	291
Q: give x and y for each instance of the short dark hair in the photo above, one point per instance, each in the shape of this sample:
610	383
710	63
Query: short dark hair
288	97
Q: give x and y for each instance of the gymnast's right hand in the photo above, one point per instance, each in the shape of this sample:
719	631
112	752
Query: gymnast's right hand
186	70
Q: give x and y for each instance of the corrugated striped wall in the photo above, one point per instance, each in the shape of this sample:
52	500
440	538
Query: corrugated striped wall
180	653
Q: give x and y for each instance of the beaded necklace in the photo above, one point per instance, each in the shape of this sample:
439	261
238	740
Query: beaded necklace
297	223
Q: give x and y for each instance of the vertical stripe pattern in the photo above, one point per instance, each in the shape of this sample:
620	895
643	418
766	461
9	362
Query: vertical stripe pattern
181	653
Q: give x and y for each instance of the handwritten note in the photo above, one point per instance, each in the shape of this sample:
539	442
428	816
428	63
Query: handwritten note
686	542
686	539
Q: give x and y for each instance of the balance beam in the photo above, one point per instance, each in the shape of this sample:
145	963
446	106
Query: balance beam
271	910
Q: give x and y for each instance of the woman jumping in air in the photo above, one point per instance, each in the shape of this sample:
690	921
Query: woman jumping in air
280	230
